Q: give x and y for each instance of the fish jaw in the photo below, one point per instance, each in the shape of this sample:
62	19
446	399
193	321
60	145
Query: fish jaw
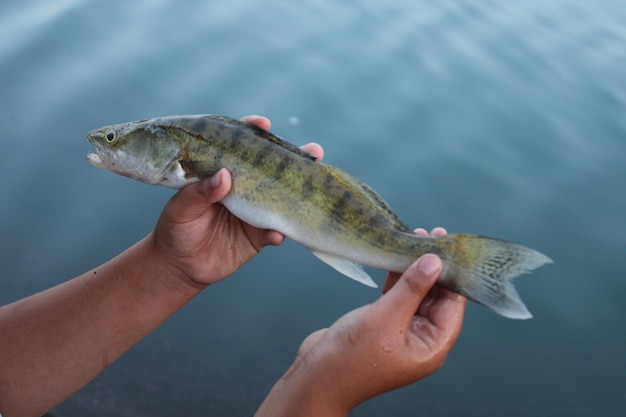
139	154
94	159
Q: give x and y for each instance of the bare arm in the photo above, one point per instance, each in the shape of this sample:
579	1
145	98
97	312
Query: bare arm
56	341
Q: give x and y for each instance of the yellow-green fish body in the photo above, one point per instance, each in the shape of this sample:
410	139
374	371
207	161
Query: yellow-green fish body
278	186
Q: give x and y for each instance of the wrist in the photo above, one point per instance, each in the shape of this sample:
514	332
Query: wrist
299	393
166	273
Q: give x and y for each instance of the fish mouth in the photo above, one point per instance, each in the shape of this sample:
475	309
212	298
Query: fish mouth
94	159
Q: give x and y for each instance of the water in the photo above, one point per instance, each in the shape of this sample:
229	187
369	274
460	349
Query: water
500	119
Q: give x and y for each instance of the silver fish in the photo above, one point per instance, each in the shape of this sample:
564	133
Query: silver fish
278	186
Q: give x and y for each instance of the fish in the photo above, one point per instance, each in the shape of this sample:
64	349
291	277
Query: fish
340	219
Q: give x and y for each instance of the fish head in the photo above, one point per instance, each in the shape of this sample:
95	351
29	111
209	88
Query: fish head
139	150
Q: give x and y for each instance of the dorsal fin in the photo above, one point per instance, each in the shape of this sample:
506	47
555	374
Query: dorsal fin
269	136
282	142
374	198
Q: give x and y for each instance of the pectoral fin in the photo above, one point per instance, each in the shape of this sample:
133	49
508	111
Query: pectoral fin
348	268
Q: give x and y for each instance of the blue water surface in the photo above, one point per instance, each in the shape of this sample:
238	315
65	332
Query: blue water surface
505	119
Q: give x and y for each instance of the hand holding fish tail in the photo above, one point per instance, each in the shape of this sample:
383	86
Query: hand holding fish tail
201	240
401	338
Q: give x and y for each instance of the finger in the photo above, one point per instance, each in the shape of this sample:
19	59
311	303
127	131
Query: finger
440	328
428	301
402	301
438	231
315	150
260	238
446	313
215	188
194	199
393	277
273	238
258	121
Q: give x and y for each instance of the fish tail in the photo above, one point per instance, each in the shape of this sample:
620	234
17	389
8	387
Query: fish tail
483	269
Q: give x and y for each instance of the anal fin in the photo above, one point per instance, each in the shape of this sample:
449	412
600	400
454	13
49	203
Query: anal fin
348	268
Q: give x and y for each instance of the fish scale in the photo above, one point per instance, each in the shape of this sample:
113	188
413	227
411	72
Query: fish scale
278	186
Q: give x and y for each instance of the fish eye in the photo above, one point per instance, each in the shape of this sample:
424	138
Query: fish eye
111	136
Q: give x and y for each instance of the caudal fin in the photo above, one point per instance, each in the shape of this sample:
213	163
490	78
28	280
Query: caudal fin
483	269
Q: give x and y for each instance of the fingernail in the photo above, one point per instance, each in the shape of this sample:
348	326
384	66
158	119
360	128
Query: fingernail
429	264
216	180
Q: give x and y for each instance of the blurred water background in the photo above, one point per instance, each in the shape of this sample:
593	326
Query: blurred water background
499	118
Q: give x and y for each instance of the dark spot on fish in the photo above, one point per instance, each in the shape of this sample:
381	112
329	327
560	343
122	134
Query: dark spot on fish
236	137
328	182
378	239
199	125
342	207
258	159
377	220
307	186
283	164
219	155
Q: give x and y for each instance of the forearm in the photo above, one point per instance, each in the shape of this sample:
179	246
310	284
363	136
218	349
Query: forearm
56	341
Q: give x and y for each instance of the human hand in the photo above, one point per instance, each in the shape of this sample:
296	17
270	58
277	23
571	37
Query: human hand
200	239
399	339
393	277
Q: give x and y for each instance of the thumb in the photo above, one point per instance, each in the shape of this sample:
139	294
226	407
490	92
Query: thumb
404	298
215	188
194	199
